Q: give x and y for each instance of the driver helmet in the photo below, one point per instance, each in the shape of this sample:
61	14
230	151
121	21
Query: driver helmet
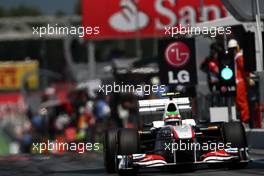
172	115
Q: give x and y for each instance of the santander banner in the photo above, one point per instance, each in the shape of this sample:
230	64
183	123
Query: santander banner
145	18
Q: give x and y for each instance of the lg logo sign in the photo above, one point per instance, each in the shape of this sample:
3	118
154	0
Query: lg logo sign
177	54
183	76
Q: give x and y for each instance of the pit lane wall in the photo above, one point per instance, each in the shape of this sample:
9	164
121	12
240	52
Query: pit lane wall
255	138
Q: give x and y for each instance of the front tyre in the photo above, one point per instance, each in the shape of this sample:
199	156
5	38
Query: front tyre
128	141
234	134
128	144
110	150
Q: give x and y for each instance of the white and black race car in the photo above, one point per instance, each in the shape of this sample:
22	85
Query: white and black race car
174	141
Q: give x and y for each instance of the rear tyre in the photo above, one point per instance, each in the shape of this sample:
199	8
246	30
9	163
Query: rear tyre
110	150
234	133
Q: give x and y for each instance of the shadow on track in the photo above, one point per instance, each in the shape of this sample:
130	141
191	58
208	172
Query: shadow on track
83	171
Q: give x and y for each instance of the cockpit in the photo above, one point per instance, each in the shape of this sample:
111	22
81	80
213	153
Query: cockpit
171	107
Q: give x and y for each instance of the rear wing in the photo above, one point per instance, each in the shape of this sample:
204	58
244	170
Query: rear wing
158	105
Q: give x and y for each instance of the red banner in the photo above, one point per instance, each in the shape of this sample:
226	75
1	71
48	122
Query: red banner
120	18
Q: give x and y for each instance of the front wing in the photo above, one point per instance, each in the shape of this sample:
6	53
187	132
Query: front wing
137	161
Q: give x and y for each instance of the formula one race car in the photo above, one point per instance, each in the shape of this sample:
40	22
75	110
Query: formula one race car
174	141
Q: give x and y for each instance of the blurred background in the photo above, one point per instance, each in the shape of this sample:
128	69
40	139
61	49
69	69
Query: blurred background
49	85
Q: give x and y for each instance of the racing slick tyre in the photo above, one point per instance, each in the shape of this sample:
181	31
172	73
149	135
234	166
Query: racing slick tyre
234	133
128	144
128	141
110	150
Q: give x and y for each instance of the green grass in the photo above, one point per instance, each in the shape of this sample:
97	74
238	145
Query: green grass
4	145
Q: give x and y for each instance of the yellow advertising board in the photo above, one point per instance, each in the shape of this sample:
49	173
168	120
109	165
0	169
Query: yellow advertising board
13	73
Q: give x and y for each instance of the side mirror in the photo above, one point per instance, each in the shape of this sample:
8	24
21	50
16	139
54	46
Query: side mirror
203	121
148	125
